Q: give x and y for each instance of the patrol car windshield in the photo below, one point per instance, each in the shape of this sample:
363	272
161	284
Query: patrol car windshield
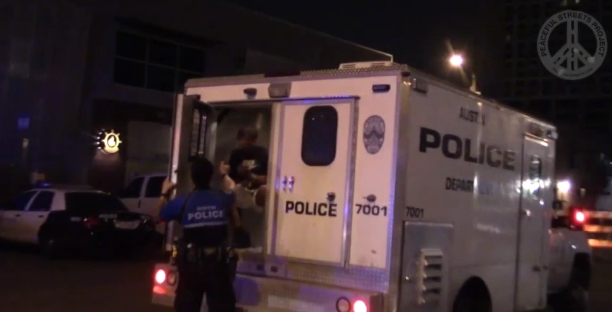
90	202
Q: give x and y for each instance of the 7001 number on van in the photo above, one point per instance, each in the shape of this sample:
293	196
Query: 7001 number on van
371	210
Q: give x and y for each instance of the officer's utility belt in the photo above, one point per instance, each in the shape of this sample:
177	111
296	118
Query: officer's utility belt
195	254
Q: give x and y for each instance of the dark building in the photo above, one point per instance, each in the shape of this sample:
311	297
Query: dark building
74	67
582	109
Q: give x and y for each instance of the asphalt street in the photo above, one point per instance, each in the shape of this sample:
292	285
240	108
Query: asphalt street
30	283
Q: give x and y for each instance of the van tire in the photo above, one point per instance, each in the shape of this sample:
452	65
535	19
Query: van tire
575	297
473	297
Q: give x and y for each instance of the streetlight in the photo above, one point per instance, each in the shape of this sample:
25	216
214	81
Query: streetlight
456	61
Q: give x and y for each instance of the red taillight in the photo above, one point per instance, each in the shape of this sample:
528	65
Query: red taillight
160	276
360	306
91	222
579	217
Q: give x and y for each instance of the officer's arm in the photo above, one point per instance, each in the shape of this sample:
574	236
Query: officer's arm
230	204
228	184
169	210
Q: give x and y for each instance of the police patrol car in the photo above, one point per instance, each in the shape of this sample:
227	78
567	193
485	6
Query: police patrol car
61	218
389	191
21	220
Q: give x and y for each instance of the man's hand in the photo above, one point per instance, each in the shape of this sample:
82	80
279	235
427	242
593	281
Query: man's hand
224	168
167	187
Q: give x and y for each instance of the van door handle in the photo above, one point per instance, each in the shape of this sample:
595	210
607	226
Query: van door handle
18	215
139	201
41	216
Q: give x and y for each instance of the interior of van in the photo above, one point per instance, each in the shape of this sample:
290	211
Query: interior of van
230	119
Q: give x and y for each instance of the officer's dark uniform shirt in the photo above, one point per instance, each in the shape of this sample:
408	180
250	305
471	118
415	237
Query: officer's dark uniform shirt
206	216
253	157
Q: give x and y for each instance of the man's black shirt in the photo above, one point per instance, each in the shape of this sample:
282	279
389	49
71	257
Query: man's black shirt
254	157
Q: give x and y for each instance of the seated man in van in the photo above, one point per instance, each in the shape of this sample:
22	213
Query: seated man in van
247	168
246	176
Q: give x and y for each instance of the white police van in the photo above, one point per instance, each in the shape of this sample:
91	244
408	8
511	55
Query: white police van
389	191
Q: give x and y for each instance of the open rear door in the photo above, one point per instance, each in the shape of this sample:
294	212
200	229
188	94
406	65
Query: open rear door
192	134
532	256
313	181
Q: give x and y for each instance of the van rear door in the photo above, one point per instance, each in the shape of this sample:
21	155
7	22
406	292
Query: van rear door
313	147
534	222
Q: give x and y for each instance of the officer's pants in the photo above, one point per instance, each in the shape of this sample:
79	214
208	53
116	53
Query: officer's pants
213	278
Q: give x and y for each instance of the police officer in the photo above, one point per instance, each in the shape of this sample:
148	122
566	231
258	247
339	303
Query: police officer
203	262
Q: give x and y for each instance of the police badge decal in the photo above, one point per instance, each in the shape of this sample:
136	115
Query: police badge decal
373	134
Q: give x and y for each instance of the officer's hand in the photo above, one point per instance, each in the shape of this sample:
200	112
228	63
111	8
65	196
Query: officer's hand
224	168
167	187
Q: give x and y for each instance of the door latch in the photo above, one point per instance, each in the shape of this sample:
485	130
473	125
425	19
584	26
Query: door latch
284	183
291	182
525	212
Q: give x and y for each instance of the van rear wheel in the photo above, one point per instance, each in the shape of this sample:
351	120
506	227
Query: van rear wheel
473	297
575	297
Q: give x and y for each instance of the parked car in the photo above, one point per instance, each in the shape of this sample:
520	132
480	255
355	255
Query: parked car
75	218
21	218
142	195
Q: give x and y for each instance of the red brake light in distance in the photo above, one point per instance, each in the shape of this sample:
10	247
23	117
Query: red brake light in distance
579	216
360	306
91	222
160	276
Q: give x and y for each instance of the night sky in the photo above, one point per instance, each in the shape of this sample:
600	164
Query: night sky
415	32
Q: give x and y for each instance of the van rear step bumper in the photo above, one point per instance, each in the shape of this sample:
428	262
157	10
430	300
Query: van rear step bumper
258	294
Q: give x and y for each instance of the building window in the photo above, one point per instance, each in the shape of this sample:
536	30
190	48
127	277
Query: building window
566	105
508	52
508	66
516	104
567	117
561	86
533	87
509	14
605	84
547	87
536	12
319	135
597	118
540	108
520	88
597	130
156	64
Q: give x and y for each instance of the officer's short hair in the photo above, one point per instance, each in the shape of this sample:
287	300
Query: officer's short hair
247	133
202	171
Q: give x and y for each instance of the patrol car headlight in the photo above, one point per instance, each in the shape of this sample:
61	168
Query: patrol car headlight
172	278
343	305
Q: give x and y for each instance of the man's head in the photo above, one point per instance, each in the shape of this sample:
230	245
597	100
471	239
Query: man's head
202	171
247	136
